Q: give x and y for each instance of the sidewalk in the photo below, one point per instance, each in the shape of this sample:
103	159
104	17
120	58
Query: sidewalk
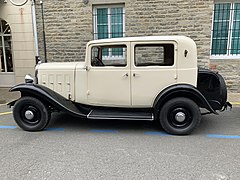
6	97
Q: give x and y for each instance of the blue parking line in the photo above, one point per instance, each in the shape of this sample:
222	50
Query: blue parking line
8	127
103	131
216	136
220	136
157	133
54	129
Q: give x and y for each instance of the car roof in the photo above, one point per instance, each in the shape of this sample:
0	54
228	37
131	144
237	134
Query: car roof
142	38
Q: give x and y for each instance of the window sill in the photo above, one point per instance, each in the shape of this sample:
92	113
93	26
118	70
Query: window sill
225	57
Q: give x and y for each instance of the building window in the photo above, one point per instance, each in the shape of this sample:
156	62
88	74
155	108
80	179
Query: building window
109	21
226	30
6	64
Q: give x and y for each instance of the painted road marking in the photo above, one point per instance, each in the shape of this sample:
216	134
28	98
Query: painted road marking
8	127
157	133
5	113
103	131
220	136
235	103
216	136
48	129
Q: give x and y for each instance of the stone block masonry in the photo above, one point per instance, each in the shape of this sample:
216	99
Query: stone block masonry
172	17
69	25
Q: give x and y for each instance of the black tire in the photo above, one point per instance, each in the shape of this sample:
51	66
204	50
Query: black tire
31	114
180	116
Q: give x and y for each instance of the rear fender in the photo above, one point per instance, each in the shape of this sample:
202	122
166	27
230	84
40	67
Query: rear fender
47	95
213	88
181	90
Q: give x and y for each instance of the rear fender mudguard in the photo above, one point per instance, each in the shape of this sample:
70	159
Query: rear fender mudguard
181	90
47	95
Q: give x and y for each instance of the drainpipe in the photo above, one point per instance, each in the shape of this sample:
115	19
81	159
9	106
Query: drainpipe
35	31
44	37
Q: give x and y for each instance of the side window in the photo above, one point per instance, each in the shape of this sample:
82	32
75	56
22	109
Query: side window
113	55
154	55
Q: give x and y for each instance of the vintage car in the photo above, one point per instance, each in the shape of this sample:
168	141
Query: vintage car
152	78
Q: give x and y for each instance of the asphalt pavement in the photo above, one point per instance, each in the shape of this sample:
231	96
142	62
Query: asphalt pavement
72	148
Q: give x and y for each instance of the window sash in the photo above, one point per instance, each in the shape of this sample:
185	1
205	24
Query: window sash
225	31
109	21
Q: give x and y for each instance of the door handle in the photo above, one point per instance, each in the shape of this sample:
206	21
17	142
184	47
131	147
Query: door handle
125	75
135	74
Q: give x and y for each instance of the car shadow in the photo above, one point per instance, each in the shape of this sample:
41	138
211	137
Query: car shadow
66	121
209	124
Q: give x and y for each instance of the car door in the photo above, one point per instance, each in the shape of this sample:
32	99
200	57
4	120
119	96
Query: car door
109	75
153	68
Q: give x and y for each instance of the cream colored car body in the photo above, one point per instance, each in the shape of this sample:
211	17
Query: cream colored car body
128	86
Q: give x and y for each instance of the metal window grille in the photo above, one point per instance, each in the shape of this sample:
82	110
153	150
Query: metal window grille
226	29
109	22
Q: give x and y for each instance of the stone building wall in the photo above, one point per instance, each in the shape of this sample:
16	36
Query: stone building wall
69	26
230	69
173	17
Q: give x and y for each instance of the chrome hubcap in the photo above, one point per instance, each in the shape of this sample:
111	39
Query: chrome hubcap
29	114
180	117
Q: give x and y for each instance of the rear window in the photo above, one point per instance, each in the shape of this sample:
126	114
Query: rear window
154	55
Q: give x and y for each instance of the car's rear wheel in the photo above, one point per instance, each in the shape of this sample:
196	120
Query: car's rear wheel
180	116
31	114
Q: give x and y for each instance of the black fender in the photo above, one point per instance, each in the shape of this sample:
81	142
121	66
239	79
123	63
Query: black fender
181	90
213	87
49	96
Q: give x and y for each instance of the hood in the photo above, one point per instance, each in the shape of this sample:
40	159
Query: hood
60	66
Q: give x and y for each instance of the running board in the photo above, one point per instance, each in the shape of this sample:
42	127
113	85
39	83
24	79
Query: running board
120	115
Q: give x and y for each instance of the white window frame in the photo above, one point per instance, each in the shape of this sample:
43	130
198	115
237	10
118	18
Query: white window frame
228	55
95	32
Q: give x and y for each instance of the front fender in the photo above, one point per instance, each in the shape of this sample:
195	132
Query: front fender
182	90
47	95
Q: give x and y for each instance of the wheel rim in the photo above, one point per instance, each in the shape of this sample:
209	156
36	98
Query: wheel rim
30	115
180	117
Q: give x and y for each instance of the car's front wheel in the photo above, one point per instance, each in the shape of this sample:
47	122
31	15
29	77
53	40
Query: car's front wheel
31	114
180	116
